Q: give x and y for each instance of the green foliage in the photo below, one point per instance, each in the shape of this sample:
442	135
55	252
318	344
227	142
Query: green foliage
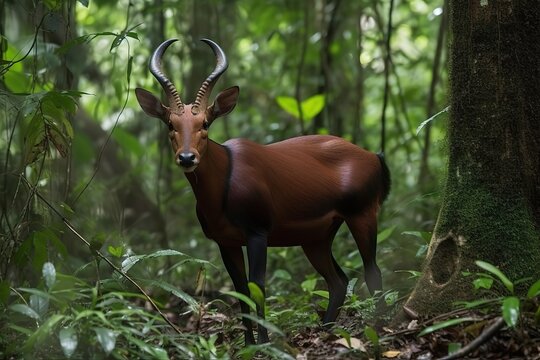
306	110
71	126
445	324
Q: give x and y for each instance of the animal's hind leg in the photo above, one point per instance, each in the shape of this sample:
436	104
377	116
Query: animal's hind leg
364	230
320	256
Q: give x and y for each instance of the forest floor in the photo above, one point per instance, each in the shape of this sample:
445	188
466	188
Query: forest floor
474	335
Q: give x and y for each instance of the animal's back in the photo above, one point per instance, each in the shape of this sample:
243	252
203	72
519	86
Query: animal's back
302	185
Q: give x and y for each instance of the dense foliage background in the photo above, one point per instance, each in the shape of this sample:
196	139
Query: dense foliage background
71	130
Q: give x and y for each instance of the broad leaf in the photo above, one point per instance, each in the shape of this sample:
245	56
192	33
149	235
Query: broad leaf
321	293
483	283
25	310
49	274
39	303
267	324
106	338
68	341
115	251
132	260
193	304
242	298
495	271
372	335
289	104
510	310
312	106
154	351
385	234
534	290
43	332
256	293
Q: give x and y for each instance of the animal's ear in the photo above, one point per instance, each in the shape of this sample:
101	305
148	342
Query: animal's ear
224	103
150	104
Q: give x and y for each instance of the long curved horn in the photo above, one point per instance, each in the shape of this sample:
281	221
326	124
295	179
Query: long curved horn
155	68
203	94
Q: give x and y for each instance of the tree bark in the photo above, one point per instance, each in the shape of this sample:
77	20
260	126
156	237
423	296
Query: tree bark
490	207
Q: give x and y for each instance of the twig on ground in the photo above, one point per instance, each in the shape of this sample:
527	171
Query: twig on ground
486	335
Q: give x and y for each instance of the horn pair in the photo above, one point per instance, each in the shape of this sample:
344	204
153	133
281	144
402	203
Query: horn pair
201	101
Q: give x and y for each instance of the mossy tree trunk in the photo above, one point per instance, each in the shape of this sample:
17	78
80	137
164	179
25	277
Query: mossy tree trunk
491	203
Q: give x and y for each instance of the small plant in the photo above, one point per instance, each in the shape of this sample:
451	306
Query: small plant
509	304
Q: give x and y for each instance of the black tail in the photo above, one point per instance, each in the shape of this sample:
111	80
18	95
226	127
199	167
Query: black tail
385	177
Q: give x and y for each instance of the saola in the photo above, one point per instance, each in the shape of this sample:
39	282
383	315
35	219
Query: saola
295	192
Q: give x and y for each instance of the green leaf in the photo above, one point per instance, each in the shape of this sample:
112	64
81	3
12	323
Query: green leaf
267	324
256	293
117	41
49	274
242	298
422	250
289	104
473	304
15	79
25	310
106	338
154	351
282	274
344	334
510	310
391	297
372	335
132	260
495	271
43	332
413	273
308	285
385	234
444	324
312	106
68	341
133	35
39	303
321	293
534	290
483	283
193	304
115	251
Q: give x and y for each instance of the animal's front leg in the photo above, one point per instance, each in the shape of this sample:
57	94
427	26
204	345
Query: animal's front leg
233	258
256	250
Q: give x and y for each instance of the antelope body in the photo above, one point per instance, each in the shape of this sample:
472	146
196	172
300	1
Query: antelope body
295	192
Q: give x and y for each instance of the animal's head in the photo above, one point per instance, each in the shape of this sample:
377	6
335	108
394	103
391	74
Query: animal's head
188	123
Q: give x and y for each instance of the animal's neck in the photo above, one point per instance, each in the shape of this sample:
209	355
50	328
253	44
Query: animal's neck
209	180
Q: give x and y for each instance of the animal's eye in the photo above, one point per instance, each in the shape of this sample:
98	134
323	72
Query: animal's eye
170	126
205	125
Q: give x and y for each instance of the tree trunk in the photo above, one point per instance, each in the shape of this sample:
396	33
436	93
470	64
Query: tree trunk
491	207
